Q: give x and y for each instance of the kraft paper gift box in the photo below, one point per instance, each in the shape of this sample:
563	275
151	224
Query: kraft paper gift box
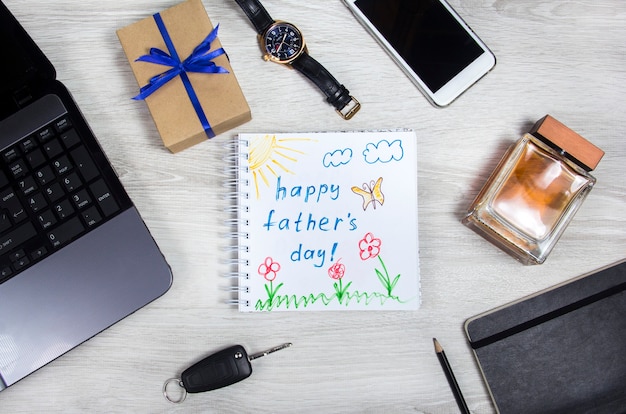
191	106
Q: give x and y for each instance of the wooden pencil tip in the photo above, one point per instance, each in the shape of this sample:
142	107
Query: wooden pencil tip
438	347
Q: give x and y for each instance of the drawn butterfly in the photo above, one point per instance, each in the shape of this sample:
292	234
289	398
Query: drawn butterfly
371	193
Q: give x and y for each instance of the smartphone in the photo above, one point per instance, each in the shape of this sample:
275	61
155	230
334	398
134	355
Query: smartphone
432	44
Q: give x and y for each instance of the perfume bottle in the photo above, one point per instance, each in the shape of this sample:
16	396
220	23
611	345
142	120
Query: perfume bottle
535	191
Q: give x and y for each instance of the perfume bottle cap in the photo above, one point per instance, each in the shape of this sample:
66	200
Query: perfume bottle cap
575	146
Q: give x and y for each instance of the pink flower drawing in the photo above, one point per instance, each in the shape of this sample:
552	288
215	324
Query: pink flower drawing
269	269
337	270
369	247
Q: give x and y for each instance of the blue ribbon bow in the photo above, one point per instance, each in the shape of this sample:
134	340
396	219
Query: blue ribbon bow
200	61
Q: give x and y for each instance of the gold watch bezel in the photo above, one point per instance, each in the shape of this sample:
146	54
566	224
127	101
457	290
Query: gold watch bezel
270	58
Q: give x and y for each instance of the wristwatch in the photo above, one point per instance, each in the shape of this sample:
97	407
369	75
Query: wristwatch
283	43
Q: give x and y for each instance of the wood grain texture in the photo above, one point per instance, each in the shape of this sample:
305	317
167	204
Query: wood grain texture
564	58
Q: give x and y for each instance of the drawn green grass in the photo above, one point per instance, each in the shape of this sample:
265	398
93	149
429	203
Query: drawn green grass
385	279
296	302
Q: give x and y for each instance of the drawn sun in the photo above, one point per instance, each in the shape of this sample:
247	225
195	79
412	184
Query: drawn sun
268	156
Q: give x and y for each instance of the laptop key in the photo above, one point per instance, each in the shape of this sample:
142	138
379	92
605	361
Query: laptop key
85	164
91	216
53	148
17	236
21	263
81	199
45	175
46	219
54	192
35	158
37	202
28	144
72	182
11	154
17	255
10	202
38	253
104	198
27	185
64	209
4	181
5	272
62	124
45	134
70	138
66	232
5	223
62	165
18	168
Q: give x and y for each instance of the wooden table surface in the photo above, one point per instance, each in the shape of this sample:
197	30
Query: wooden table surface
565	58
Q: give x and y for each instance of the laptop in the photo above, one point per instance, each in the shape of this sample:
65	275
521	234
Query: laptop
75	255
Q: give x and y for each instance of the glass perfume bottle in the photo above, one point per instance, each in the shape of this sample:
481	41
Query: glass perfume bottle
535	191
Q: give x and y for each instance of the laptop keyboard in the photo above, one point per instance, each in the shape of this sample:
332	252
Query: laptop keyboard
51	192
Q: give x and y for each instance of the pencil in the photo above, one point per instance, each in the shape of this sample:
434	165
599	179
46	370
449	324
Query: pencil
458	396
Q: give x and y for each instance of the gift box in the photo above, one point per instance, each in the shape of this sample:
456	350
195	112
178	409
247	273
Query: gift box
184	74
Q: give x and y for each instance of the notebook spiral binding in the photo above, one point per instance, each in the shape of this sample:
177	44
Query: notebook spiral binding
237	192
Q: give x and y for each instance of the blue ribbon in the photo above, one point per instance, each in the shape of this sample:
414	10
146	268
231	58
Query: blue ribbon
200	61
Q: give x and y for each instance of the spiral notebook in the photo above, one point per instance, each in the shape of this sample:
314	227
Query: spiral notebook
326	221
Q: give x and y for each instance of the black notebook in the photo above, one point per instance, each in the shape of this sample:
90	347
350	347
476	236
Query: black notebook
562	350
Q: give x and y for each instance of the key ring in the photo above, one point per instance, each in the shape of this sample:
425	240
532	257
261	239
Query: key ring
180	384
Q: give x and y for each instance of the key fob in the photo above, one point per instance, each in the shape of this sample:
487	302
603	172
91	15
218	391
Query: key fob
218	370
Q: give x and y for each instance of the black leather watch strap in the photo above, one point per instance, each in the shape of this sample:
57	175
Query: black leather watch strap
257	14
336	94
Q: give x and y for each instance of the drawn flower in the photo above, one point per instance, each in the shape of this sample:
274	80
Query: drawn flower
337	270
269	269
369	247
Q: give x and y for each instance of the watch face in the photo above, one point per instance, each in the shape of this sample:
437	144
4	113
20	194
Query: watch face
282	42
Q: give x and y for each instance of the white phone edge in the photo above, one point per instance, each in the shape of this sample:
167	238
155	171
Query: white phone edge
456	86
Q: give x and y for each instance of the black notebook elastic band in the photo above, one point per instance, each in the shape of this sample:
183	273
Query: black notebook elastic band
531	323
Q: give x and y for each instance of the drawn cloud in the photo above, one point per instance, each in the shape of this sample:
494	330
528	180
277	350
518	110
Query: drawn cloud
337	158
383	151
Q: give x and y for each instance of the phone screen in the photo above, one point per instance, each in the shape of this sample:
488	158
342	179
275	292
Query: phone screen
431	41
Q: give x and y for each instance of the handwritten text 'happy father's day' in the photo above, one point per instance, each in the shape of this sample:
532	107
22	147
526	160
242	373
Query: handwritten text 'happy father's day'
309	195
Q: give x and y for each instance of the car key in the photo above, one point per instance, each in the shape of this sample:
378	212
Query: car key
218	370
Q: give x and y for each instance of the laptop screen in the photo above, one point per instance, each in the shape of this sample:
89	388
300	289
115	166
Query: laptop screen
26	64
18	67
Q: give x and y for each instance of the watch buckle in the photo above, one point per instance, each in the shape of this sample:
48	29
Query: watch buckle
351	108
